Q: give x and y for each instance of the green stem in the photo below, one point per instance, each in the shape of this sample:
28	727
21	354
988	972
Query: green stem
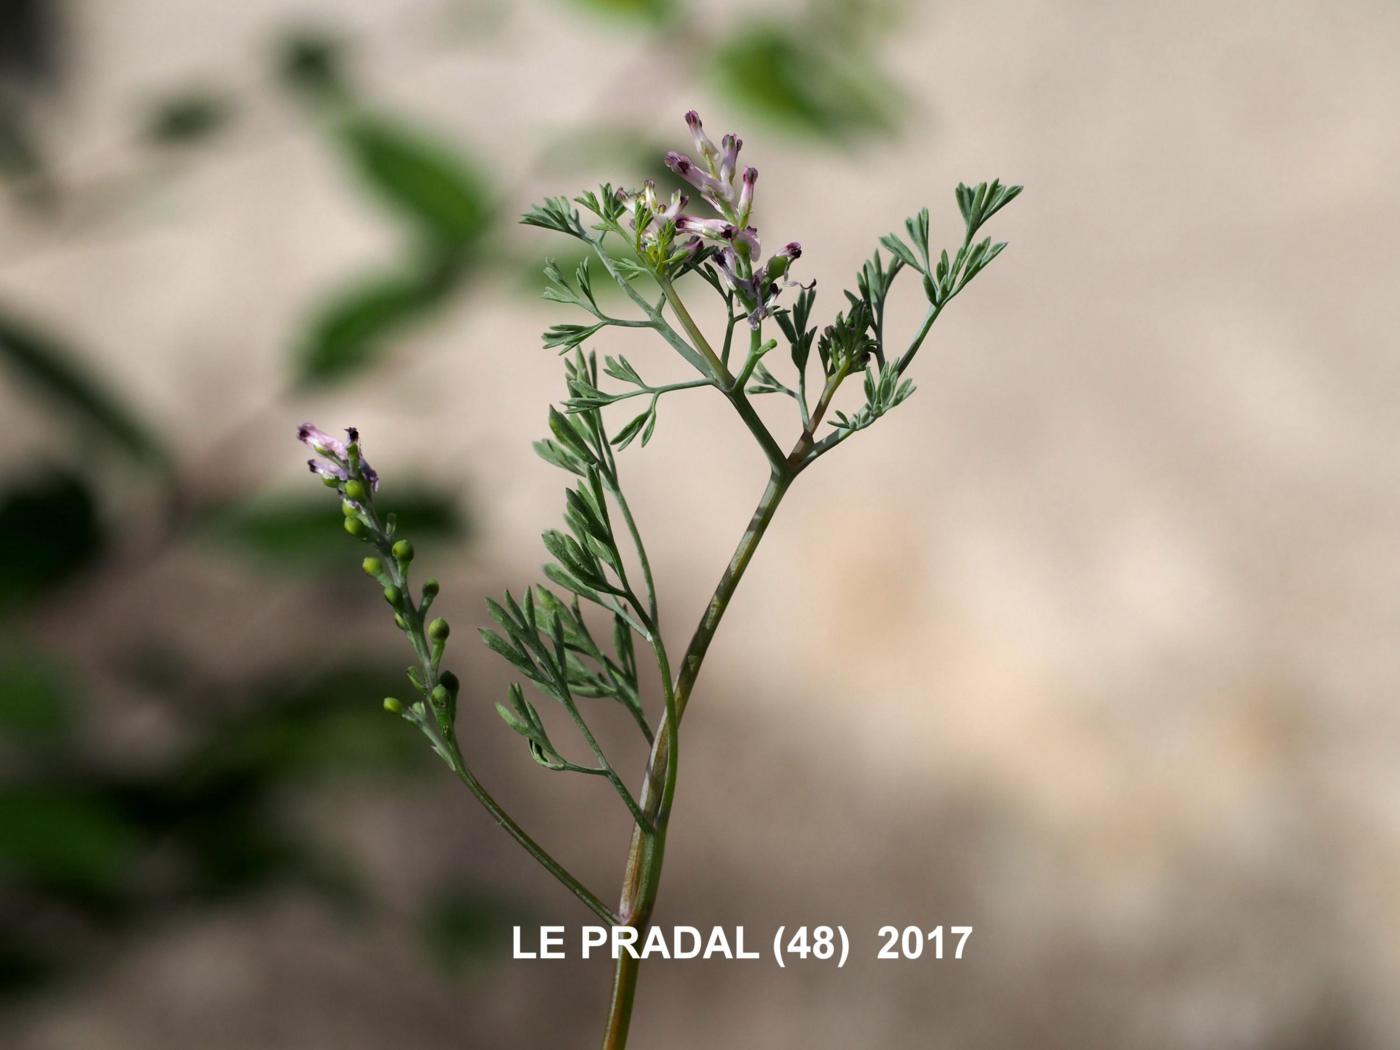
444	737
504	819
689	384
647	852
918	340
725	381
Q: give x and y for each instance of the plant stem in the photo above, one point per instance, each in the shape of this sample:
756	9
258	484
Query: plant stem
647	852
725	381
504	819
444	738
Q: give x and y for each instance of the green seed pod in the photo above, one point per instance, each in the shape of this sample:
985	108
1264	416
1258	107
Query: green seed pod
355	527
430	588
438	630
393	595
440	696
355	490
349	509
401	621
394	707
403	551
372	566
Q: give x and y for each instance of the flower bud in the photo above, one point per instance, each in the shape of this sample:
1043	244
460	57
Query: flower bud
403	551
355	527
746	193
372	566
703	145
438	630
355	490
349	508
440	696
431	588
729	156
400	621
393	595
394	707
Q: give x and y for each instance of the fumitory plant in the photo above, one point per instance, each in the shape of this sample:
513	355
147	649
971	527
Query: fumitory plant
577	638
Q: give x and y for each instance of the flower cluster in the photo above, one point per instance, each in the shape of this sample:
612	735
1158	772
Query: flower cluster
341	461
757	283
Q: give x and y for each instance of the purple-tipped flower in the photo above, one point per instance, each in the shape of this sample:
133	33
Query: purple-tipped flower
779	263
749	177
729	158
703	145
713	229
710	187
326	470
319	441
758	284
746	240
340	462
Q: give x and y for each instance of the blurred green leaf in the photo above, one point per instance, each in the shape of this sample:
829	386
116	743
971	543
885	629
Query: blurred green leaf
21	159
652	11
621	151
357	325
33	701
188	118
307	529
460	926
431	186
789	77
44	362
334	721
49	529
310	61
68	838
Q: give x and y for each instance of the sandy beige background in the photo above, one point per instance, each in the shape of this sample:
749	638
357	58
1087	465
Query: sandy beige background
1092	644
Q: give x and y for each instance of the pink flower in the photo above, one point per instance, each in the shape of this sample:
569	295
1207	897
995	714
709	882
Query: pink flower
326	470
319	441
750	177
340	461
758	284
703	145
710	187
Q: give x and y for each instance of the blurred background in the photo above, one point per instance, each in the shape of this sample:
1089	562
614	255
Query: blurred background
1091	645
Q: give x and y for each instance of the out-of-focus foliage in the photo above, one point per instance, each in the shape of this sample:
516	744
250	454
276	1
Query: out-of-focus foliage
189	117
21	161
655	12
34	707
437	193
99	851
818	83
297	529
50	531
358	323
311	62
52	369
422	182
459	926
